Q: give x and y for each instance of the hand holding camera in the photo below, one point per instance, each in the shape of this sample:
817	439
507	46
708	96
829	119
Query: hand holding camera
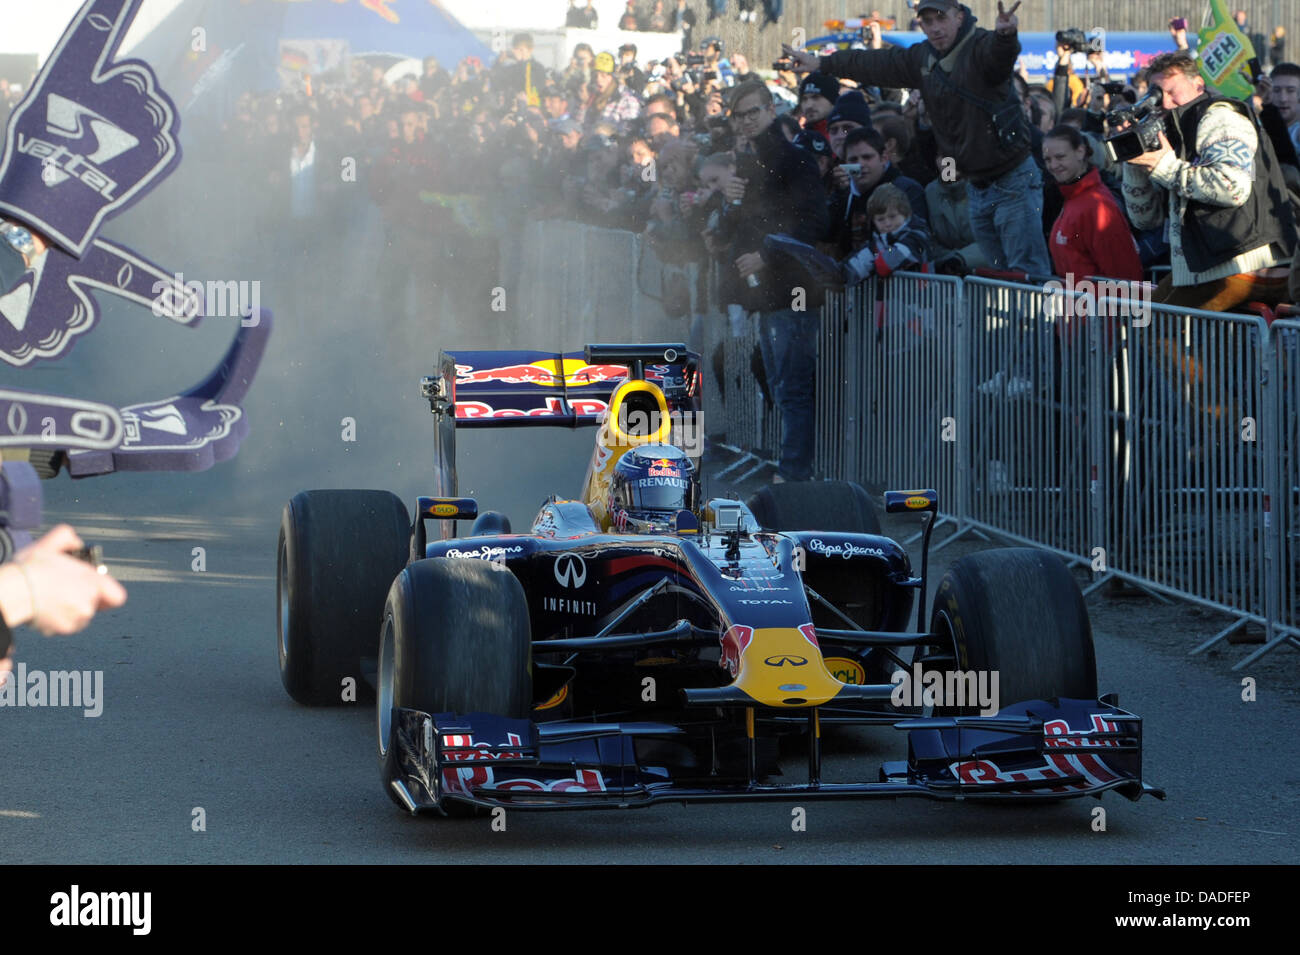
1141	130
801	61
1178	30
50	585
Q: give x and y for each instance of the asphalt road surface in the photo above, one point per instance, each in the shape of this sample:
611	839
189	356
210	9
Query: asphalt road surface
195	726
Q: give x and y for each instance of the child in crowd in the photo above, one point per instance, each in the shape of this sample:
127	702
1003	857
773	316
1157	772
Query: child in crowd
899	242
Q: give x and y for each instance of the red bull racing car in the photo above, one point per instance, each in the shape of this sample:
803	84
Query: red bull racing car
640	644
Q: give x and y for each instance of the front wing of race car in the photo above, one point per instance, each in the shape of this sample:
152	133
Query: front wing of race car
1034	751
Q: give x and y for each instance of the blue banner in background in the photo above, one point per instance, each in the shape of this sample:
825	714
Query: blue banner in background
1126	53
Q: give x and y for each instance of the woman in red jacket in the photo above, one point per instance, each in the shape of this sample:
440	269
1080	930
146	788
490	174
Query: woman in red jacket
1091	235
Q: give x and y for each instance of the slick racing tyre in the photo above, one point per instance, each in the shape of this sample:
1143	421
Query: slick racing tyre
1016	612
337	555
455	638
815	506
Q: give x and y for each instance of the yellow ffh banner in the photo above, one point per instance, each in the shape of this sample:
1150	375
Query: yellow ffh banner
1224	53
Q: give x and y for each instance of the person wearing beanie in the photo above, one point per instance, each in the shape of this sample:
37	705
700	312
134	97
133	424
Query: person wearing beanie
817	95
851	112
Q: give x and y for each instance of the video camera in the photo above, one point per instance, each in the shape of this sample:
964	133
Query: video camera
1076	41
1147	121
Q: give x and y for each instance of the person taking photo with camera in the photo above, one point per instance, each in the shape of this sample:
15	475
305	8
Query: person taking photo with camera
1219	185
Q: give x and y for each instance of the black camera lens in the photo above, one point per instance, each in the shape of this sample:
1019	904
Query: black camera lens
1073	40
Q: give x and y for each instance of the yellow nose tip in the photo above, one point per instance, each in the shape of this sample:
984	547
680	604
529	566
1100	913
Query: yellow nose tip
781	667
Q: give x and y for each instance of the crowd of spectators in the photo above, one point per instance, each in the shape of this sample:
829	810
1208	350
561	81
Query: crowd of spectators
617	142
975	166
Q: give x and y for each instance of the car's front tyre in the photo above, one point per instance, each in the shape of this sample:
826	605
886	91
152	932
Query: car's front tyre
337	553
455	638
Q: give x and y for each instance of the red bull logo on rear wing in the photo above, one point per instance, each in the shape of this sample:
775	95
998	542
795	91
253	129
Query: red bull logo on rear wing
538	369
536	387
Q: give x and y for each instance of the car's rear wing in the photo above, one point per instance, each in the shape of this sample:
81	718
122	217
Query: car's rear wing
504	389
513	389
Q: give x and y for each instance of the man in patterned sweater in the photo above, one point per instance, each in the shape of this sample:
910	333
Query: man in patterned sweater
1218	183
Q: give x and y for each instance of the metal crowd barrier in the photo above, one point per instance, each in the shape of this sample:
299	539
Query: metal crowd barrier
887	386
1281	394
1192	509
583	284
1149	444
1144	442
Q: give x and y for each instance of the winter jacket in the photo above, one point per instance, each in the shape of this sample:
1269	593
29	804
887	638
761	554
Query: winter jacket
1065	87
980	62
783	196
1222	191
950	228
1091	236
906	249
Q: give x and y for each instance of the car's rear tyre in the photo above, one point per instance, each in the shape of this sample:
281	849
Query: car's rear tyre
337	555
815	506
455	638
1017	612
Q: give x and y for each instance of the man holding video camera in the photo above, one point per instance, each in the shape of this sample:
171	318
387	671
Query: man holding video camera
1216	180
964	72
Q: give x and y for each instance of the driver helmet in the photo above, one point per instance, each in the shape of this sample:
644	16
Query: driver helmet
650	484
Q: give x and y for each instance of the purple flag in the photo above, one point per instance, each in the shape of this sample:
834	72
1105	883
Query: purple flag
92	136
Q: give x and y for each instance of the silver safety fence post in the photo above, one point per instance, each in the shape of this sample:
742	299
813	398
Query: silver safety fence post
1190	515
1030	460
835	422
1280	447
1109	313
901	367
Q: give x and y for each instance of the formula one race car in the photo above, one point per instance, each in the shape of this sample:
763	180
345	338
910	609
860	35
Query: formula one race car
639	644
